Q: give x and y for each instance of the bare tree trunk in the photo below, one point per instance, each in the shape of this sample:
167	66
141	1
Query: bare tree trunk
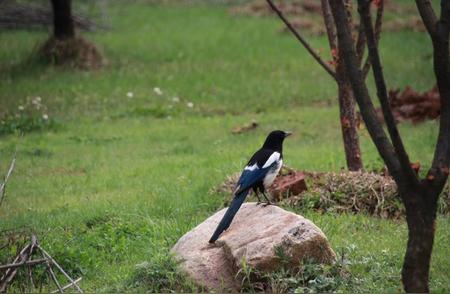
62	16
421	218
346	100
420	197
348	121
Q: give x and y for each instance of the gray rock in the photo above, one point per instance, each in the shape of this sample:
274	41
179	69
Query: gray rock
253	236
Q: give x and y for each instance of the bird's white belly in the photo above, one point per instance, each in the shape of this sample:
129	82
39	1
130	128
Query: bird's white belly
272	174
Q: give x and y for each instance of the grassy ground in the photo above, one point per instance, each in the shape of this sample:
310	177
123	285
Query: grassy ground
119	179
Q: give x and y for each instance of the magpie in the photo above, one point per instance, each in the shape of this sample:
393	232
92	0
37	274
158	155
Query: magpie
258	174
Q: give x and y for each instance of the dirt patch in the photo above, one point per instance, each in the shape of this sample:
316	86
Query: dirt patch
77	52
245	128
306	15
410	105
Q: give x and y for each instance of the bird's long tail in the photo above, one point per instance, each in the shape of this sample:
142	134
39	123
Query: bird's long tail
229	215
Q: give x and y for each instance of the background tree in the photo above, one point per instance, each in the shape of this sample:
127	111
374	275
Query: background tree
419	196
348	118
63	26
64	46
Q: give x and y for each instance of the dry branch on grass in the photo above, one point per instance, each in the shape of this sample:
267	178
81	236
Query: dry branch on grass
6	178
25	260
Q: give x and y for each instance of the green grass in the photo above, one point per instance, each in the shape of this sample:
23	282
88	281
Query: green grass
119	180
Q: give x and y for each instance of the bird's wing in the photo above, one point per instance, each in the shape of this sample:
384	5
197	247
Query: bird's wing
273	158
256	169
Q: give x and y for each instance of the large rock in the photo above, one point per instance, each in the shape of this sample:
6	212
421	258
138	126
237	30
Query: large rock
253	236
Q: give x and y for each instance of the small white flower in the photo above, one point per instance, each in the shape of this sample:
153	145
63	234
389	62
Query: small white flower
157	91
45	116
130	95
36	100
176	99
21	107
190	104
169	117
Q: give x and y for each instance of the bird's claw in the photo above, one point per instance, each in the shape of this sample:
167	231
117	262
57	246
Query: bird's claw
269	203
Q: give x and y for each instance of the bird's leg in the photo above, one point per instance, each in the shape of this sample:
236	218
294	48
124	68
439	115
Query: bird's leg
267	199
257	196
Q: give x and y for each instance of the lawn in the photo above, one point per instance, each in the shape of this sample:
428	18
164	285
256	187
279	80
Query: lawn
125	171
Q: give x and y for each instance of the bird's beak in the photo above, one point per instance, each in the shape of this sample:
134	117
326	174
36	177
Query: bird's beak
287	134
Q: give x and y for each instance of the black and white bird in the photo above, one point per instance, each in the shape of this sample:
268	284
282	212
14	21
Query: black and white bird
258	174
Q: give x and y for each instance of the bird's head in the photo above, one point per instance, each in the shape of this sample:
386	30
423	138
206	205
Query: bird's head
275	140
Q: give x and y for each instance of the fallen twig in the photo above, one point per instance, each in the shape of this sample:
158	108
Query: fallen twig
24	259
6	178
60	268
68	285
11	272
53	277
24	263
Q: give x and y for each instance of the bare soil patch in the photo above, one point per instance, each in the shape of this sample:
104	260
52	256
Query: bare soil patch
306	15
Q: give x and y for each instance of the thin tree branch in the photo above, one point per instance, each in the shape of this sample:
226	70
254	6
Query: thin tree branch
23	263
30	270
11	272
366	20
366	67
50	271
329	24
346	45
60	268
302	40
5	180
439	171
378	23
360	43
68	285
428	16
345	95
53	276
379	20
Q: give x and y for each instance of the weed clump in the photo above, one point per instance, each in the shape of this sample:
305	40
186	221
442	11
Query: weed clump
160	275
357	192
308	277
28	117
